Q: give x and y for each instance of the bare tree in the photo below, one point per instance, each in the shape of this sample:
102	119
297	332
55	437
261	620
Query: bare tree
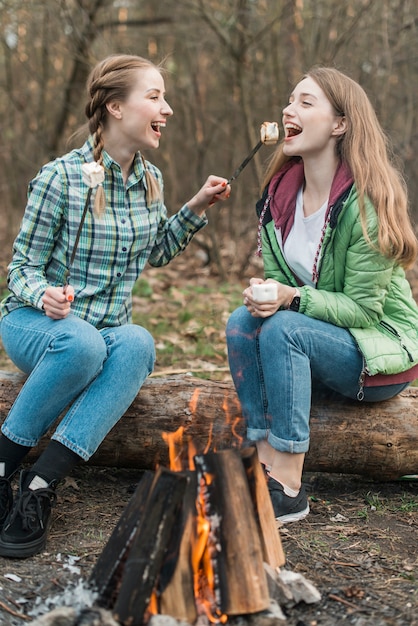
231	65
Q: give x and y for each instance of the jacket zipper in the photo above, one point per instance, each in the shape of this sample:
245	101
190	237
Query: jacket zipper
395	333
283	267
360	393
335	211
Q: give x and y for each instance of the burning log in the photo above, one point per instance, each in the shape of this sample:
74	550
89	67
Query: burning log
234	541
271	545
145	548
373	439
177	598
106	574
191	543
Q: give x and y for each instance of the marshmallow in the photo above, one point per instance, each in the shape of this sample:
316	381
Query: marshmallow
269	132
93	174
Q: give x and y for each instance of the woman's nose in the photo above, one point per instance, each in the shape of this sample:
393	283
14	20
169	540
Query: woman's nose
287	109
167	110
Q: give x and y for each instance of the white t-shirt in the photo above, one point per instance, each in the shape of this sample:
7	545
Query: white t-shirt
303	240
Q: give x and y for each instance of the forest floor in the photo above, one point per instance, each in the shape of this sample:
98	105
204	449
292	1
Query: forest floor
358	546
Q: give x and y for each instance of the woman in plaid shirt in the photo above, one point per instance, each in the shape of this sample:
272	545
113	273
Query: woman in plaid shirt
67	322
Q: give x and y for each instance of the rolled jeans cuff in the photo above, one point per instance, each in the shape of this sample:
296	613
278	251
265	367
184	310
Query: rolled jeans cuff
282	445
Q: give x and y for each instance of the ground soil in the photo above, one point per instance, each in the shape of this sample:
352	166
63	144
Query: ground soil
358	547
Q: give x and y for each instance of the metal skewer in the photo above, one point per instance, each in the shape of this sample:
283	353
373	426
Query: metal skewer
245	162
77	239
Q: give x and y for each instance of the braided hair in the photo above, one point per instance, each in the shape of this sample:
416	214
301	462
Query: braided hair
112	79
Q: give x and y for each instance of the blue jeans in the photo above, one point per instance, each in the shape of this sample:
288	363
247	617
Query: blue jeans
275	362
93	375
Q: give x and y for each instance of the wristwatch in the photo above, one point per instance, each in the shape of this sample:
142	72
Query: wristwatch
295	302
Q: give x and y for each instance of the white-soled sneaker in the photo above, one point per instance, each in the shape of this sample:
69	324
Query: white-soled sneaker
287	509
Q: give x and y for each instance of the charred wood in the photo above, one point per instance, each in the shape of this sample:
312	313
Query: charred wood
146	554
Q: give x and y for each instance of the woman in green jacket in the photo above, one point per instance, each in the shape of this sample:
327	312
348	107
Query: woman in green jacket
335	308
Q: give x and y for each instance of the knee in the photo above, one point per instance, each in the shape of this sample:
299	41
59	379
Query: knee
145	346
239	322
83	346
137	344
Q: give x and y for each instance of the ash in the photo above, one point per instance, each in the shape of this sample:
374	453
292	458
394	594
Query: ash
78	596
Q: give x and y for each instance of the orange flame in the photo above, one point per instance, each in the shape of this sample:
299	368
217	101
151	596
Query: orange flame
193	401
203	572
235	423
153	604
181	459
174	442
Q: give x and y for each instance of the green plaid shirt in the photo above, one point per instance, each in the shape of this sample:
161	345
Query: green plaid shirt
112	250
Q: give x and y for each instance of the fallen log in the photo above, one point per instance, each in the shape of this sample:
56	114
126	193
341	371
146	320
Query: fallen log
379	440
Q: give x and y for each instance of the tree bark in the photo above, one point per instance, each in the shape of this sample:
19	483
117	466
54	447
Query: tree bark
378	440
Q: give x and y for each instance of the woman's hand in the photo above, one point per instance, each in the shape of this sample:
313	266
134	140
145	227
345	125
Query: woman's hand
268	308
214	189
57	301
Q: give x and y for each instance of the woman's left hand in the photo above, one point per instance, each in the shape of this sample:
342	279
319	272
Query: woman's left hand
214	189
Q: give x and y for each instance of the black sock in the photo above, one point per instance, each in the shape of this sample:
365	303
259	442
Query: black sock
55	462
11	456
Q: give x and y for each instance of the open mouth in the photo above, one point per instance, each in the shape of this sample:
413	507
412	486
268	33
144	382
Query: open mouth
292	130
156	126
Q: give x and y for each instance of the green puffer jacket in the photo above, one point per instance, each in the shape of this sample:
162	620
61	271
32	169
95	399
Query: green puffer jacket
357	288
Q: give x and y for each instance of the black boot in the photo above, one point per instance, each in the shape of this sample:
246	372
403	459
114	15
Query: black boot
25	530
6	499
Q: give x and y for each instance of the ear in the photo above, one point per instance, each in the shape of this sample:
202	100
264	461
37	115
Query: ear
340	126
114	109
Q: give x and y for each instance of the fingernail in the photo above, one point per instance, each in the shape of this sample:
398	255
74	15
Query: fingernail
70	298
223	184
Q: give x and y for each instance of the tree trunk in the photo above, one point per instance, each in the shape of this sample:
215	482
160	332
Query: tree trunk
379	440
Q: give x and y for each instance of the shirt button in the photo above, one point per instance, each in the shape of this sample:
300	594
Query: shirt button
124	249
118	274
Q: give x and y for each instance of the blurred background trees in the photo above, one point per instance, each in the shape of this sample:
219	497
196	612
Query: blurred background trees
231	65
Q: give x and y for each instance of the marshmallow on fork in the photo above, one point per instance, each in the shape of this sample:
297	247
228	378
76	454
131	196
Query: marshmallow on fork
269	135
93	175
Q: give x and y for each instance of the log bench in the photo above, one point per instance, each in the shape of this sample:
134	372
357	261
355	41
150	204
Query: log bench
378	440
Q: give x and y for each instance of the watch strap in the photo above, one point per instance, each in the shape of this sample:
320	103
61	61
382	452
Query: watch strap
295	302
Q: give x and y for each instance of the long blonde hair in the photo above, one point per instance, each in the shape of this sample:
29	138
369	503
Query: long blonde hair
112	79
364	147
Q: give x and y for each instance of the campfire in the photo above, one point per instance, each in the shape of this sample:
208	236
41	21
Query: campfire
191	543
198	542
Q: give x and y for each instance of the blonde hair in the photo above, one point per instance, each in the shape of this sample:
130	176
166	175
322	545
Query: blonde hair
112	79
364	147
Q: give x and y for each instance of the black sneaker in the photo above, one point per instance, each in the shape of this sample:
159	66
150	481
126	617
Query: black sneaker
25	530
6	499
287	509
